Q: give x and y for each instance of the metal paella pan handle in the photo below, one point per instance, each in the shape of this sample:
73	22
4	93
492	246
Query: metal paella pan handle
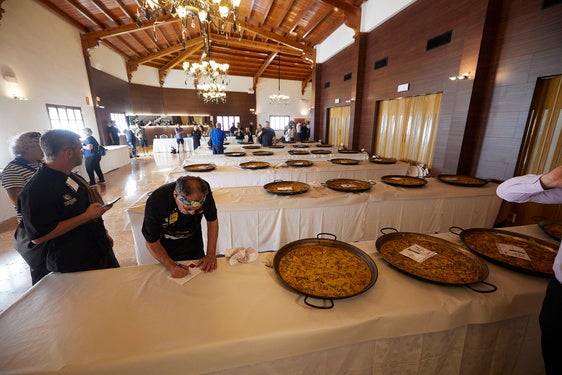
456	230
388	229
319	235
325	307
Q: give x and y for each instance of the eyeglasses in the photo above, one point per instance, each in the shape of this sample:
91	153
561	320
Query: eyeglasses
35	135
194	204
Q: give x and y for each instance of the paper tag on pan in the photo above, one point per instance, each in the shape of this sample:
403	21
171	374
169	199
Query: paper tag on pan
512	251
417	253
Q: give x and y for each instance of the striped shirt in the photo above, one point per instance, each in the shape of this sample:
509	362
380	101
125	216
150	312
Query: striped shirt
15	175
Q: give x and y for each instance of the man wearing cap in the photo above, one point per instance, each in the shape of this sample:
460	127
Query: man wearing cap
172	225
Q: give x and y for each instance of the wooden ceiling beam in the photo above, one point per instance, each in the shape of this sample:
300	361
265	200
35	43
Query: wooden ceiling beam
63	15
124	9
103	10
258	46
262	69
284	16
352	14
183	56
125	29
86	13
309	51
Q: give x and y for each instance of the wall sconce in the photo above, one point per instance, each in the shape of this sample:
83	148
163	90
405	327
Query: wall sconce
14	90
460	77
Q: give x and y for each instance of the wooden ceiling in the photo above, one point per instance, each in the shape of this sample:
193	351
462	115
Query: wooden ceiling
272	35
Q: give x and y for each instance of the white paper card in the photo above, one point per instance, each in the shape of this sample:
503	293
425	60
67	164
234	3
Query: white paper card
182	280
285	188
512	251
417	253
348	185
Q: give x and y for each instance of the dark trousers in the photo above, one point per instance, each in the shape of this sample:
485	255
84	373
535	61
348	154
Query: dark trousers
218	149
93	165
550	321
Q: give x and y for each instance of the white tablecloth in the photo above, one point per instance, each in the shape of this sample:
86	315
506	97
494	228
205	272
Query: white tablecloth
166	144
321	171
241	320
252	217
204	155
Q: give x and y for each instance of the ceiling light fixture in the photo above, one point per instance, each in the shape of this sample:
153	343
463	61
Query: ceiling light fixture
279	98
210	79
206	12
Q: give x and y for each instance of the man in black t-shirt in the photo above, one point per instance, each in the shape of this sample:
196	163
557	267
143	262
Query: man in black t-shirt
61	213
172	225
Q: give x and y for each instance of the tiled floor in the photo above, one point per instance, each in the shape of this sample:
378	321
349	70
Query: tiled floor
130	182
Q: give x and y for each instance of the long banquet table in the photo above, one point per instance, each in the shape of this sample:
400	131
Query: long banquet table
321	171
240	320
115	157
249	216
166	144
204	155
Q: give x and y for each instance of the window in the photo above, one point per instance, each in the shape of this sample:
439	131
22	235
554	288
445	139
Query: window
279	122
65	117
120	120
227	121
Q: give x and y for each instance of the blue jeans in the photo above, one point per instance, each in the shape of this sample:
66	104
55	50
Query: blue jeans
218	149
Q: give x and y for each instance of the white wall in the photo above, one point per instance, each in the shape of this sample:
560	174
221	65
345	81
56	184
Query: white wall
373	13
45	55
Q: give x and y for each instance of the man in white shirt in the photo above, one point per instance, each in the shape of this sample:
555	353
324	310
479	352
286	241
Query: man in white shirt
546	188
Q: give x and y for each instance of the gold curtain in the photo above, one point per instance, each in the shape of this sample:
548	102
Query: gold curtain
407	128
338	129
542	143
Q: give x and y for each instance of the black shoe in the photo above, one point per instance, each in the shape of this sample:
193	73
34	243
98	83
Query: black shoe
101	182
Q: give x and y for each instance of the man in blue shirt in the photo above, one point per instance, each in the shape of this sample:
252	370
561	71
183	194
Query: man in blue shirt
268	136
217	139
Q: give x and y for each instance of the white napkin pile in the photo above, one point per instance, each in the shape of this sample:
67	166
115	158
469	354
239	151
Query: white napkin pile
241	255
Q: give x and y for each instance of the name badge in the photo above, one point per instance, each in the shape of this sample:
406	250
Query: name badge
173	217
72	184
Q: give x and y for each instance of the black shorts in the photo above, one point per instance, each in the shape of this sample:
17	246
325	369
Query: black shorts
179	141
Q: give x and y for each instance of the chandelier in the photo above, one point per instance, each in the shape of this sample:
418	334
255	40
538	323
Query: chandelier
209	79
206	12
279	98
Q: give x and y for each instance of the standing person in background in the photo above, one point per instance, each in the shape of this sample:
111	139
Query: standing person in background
305	131
546	189
232	129
268	136
196	134
61	213
179	138
131	141
239	134
92	157
140	133
299	132
113	133
248	133
217	139
28	159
